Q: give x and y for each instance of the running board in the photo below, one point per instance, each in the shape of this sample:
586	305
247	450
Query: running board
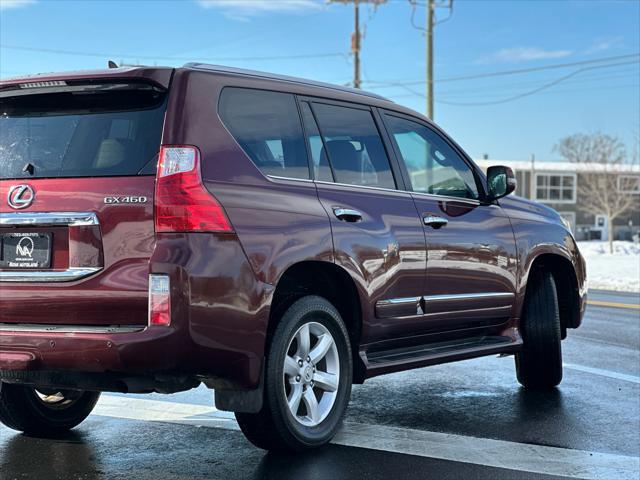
387	361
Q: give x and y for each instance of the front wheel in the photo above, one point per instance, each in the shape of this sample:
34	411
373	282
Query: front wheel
539	363
44	412
307	380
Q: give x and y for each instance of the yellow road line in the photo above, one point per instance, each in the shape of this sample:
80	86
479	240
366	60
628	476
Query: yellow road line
601	303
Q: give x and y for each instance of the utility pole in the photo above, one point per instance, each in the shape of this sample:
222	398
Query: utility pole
430	23
429	50
356	36
355	44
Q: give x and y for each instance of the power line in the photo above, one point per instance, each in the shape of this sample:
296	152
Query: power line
554	92
512	72
619	71
535	90
524	94
498	91
149	57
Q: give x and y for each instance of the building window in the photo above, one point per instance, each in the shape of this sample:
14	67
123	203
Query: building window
556	187
629	184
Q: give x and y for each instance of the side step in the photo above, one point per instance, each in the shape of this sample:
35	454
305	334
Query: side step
387	361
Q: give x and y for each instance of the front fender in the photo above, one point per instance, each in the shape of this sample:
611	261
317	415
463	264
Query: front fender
539	234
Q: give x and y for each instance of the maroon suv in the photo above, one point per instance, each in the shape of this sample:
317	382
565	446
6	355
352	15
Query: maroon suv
276	239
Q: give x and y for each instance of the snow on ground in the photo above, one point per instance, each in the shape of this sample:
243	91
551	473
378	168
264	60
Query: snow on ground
618	271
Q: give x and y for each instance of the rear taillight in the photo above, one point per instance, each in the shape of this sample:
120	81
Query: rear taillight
182	204
159	300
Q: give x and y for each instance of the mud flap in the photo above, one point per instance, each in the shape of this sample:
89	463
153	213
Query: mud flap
245	401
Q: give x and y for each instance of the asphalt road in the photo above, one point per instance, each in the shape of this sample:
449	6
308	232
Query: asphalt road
461	420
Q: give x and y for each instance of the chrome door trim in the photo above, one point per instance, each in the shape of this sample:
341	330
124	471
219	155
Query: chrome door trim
393	307
68	275
398	301
72	219
467	296
446	198
363	187
399	307
31	328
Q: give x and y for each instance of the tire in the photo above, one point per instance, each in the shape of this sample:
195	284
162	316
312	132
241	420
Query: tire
539	363
44	413
275	427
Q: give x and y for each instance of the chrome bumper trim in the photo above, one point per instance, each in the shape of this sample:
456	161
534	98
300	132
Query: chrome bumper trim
72	219
68	275
31	328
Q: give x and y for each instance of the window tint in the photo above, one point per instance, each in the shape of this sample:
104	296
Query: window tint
354	146
322	171
267	127
107	130
433	166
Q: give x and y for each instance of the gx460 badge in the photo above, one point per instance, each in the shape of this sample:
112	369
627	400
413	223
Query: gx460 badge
117	200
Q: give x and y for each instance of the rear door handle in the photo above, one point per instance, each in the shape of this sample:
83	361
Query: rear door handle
435	221
347	214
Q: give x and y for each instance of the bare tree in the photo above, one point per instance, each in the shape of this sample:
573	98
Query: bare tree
598	188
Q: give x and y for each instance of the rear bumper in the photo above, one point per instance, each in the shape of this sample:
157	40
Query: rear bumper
217	332
133	350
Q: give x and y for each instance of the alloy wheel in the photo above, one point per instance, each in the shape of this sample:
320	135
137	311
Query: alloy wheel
311	374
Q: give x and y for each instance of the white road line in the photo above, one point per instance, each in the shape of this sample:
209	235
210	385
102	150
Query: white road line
603	373
458	448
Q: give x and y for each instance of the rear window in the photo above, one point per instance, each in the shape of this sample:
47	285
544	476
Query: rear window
110	130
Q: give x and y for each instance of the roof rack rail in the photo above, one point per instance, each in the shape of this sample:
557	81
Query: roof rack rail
286	78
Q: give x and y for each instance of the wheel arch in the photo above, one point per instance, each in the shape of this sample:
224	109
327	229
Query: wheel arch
566	280
329	281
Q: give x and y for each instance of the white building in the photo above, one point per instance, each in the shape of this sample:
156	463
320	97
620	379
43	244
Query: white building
556	184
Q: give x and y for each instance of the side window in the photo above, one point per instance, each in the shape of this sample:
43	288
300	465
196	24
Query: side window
267	127
353	147
433	166
322	170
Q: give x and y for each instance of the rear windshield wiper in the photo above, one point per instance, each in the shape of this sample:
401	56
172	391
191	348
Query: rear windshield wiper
29	168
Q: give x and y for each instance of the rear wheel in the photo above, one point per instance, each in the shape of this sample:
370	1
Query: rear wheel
44	412
539	363
307	380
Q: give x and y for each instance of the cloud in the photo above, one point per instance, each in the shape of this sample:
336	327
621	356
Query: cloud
603	44
244	9
7	4
523	54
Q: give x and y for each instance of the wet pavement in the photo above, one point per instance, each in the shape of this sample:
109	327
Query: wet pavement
462	420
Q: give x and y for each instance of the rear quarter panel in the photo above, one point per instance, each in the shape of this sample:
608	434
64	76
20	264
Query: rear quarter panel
277	223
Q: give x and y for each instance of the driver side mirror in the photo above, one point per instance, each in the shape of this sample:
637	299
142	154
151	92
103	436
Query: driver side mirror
500	182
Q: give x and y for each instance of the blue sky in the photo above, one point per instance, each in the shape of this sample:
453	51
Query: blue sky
481	37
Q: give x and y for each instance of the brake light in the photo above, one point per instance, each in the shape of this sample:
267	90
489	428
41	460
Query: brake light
159	300
182	204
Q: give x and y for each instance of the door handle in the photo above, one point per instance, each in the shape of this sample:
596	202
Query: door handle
347	214
435	221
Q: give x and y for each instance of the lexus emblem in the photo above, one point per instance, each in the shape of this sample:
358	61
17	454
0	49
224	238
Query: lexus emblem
20	196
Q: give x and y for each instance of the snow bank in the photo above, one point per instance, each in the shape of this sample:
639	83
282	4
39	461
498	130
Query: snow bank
618	271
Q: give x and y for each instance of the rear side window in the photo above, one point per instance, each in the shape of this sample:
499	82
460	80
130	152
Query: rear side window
352	146
108	130
267	127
